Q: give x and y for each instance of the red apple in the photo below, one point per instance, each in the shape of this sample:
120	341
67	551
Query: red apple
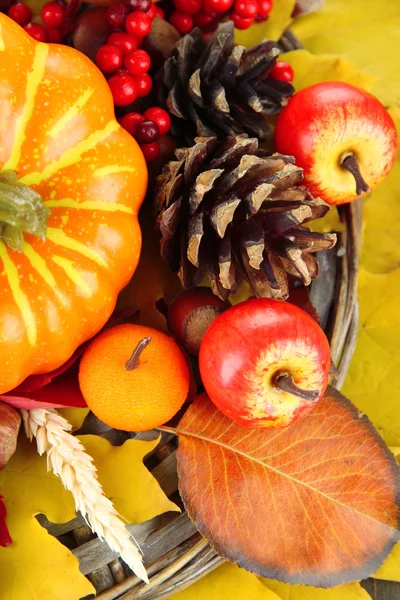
264	363
343	138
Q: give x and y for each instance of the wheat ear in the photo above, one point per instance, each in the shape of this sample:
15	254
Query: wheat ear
67	458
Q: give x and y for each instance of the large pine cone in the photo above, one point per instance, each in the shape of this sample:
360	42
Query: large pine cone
232	211
216	89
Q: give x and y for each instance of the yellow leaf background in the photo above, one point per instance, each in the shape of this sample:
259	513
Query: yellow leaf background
36	566
352	591
365	32
228	582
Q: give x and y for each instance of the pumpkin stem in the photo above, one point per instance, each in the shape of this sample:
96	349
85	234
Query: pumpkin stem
285	383
134	361
21	211
350	163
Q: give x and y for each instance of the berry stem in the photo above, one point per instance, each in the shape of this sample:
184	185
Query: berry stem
350	163
285	383
134	361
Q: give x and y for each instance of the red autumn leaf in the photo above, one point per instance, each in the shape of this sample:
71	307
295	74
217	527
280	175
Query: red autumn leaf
5	538
62	391
314	503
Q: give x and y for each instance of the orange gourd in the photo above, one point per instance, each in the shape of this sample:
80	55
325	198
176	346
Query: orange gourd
134	377
71	184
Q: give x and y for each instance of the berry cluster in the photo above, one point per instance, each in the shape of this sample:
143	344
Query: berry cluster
207	14
52	14
121	56
147	128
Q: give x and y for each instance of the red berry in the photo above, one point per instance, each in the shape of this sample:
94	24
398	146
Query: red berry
152	11
123	89
282	71
150	151
189	7
240	22
202	19
20	13
160	117
264	8
116	15
130	121
138	24
147	132
54	36
143	5
109	58
137	62
144	83
159	12
36	31
246	8
52	14
218	6
124	41
182	22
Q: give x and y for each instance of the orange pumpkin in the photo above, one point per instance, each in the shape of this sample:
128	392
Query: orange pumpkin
64	159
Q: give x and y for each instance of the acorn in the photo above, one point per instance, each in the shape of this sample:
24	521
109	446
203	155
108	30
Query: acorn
191	313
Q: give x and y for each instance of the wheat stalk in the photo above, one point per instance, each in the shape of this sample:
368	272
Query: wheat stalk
67	458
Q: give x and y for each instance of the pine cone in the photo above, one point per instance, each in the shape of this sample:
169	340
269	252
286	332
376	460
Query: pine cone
232	211
215	88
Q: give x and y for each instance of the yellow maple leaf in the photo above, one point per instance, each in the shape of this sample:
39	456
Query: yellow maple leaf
135	493
373	380
363	32
272	29
36	565
75	416
351	591
309	69
230	582
390	569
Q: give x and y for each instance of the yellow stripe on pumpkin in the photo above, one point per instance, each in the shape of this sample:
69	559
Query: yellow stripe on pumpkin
71	156
111	169
72	273
2	45
101	205
39	264
32	83
72	112
57	236
21	300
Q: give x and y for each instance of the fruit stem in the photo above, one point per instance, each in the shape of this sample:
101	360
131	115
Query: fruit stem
350	163
285	383
21	211
134	361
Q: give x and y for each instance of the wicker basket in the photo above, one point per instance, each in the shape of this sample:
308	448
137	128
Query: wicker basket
175	554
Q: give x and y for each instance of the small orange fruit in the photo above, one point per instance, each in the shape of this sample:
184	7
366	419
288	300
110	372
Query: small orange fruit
134	377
